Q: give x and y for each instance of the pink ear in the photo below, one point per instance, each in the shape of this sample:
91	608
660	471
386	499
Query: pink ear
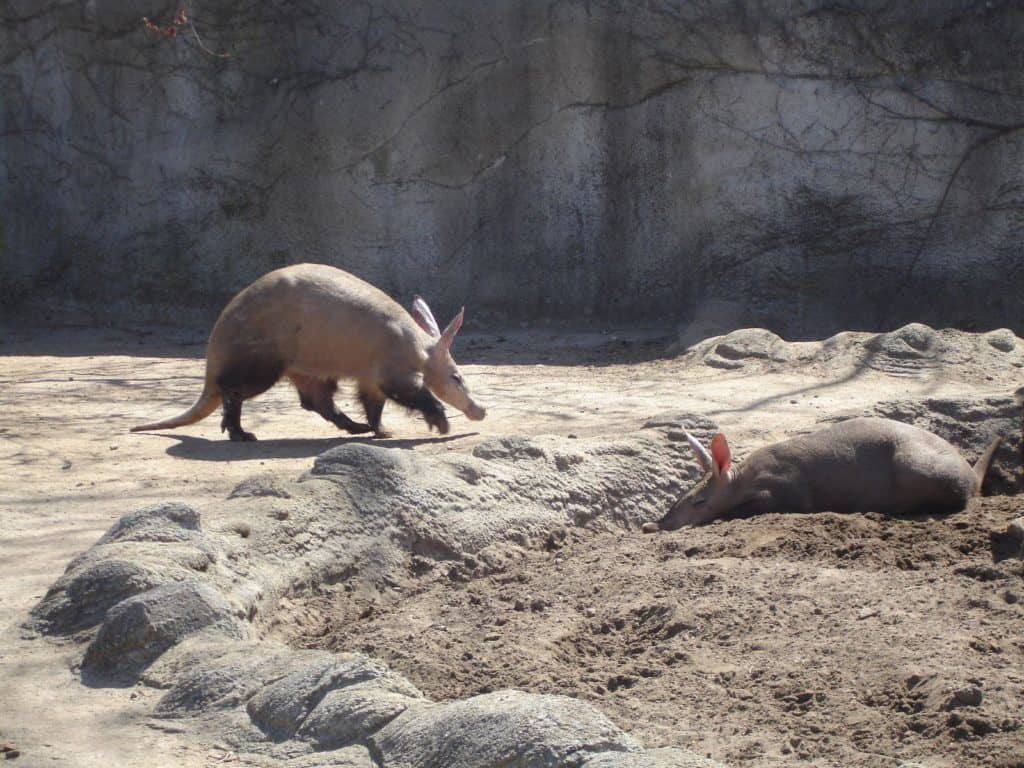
722	457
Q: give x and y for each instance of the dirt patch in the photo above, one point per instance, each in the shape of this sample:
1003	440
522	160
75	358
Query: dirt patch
70	468
804	639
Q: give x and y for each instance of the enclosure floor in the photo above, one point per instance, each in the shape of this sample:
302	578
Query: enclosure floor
69	468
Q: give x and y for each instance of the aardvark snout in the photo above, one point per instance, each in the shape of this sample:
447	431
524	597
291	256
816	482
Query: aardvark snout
683	514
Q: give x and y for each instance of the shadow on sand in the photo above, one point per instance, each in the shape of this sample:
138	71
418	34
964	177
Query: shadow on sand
201	449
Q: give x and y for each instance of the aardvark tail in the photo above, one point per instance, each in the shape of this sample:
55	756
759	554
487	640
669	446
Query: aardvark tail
981	468
208	401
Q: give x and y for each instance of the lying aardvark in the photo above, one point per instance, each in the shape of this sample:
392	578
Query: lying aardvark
860	465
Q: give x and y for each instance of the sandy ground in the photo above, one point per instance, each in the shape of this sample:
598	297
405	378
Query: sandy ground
69	467
822	639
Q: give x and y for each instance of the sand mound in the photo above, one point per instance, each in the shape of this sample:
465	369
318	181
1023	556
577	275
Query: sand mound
912	350
179	606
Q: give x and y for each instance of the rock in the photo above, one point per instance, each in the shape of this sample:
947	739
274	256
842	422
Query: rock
166	522
201	675
905	563
1002	339
966	697
510	449
650	758
350	714
914	340
981	726
751	343
373	468
349	757
364	512
980	571
742	348
1016	529
506	728
144	549
265	485
281	708
82	597
137	630
675	425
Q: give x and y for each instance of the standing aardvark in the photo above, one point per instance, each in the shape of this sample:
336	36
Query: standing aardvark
317	324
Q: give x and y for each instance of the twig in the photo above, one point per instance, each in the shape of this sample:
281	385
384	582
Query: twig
199	42
180	20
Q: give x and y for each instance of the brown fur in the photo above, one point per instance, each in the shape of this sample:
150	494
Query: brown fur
317	324
858	465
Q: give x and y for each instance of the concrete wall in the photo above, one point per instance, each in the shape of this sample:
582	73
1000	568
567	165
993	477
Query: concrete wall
805	166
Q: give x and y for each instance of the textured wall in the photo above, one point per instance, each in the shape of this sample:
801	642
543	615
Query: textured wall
801	165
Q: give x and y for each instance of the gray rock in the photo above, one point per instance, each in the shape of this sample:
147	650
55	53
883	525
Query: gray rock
282	707
514	449
370	468
137	630
209	676
1016	529
82	598
968	696
911	341
912	350
1008	542
144	549
1002	339
351	714
350	757
675	426
650	758
736	348
169	521
505	729
263	485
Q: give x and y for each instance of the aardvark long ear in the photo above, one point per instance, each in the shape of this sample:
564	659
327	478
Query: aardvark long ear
424	317
699	452
453	327
721	455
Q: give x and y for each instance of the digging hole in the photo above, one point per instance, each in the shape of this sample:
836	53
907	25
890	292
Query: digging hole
738	639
